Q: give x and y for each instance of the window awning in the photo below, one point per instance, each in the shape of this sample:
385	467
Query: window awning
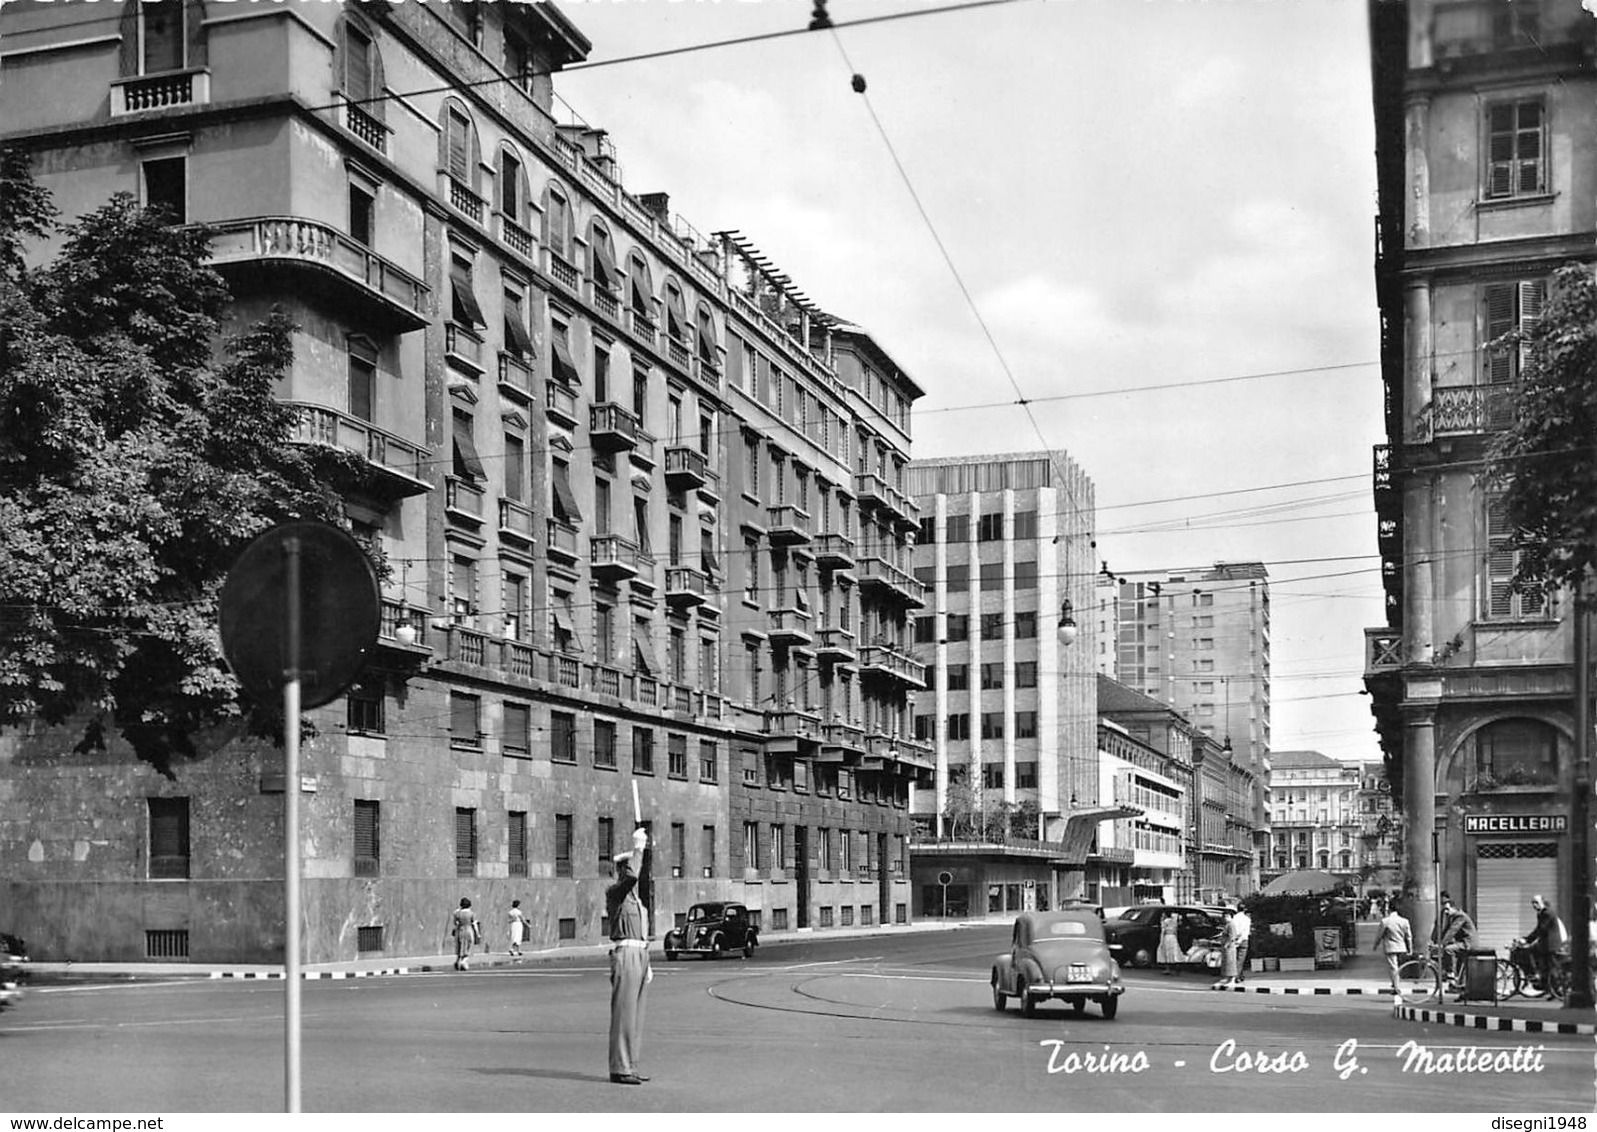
467	462
706	336
565	500
467	309
565	369
604	266
711	565
640	297
516	335
675	318
641	648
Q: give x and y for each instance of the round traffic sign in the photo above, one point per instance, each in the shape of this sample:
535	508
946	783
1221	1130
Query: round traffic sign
945	877
340	612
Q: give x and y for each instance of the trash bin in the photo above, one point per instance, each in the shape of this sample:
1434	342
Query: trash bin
1480	976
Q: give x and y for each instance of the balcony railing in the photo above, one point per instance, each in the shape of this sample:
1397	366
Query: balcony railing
789	626
1383	650
560	403
880	572
835	551
396	615
612	426
685	467
677	351
464	199
685	585
515	521
515	377
562	541
887	660
642	325
463	499
613	557
464	346
836	644
560	269
787	525
160	92
386	290
1468	410
397	464
517	238
366	126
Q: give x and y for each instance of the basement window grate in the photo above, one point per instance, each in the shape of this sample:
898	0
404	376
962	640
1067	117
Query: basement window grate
166	943
369	939
568	928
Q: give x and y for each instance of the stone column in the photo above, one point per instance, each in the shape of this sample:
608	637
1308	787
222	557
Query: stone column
1419	810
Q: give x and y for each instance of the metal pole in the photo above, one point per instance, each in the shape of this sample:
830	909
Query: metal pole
1580	997
291	942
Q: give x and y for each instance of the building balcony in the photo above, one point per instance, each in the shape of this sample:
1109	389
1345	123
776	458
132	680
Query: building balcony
515	523
707	373
463	347
323	262
786	525
841	742
643	451
836	645
835	552
464	199
789	627
643	327
886	661
604	300
611	427
463	501
514	236
561	270
394	465
685	587
515	378
560	403
677	351
686	468
1469	410
140	93
1383	650
402	633
561	544
873	491
360	121
881	575
612	557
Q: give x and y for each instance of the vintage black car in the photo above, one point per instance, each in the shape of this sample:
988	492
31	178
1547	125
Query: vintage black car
1134	935
713	929
13	953
1057	955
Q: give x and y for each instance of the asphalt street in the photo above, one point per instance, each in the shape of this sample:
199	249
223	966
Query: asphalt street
899	1024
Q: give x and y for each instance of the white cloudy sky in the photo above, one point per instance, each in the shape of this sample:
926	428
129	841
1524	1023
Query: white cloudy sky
1134	193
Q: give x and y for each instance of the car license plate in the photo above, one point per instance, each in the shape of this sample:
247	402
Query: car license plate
1079	974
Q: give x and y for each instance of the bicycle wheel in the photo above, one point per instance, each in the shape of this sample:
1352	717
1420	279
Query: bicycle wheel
1509	979
1420	980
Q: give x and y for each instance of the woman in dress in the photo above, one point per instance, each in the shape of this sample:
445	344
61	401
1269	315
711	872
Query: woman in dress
1169	946
466	933
518	927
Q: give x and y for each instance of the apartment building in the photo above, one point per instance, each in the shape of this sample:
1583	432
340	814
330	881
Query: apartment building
1004	551
641	500
1318	816
1484	116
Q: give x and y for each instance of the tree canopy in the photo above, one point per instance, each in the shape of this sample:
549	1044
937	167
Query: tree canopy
1546	462
136	462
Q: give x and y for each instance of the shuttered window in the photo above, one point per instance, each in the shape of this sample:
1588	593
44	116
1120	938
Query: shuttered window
464	715
1516	163
516	836
169	838
562	845
1509	307
368	843
642	750
458	127
161	29
518	729
465	842
357	64
607	845
510	186
1502	601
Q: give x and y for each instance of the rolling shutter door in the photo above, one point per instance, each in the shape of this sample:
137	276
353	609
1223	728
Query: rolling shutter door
1507	875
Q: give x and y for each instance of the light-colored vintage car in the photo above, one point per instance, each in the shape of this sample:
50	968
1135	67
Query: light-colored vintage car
1058	955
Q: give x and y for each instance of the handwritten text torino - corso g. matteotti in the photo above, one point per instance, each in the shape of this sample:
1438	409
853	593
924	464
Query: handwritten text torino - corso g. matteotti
1410	1057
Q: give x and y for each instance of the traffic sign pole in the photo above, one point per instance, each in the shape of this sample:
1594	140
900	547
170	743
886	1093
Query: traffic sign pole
291	707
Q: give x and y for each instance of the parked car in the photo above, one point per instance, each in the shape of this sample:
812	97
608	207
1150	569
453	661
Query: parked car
13	954
1057	955
1134	935
713	929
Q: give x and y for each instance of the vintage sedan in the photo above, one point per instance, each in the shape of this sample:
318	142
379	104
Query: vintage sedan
1134	935
713	929
1057	955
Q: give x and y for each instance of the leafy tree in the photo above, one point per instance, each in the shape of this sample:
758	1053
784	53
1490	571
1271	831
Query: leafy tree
136	462
1546	463
962	817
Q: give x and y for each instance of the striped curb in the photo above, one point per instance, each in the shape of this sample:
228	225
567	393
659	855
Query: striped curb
1491	1022
314	974
1303	991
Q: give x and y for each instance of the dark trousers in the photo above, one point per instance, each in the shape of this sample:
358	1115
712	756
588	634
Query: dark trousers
629	969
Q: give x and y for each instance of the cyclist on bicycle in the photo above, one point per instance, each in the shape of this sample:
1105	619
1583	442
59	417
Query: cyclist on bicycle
1457	937
1547	939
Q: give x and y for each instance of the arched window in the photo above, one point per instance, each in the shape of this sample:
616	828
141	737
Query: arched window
709	340
361	67
459	154
1516	752
557	231
603	260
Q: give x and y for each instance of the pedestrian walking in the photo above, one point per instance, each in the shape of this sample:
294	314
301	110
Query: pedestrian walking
1396	939
1169	944
518	927
629	962
467	932
1242	934
1234	947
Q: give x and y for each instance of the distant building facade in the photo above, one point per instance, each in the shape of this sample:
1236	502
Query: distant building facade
1318	818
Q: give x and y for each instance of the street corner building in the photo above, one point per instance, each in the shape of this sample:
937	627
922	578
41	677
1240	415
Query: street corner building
1484	119
643	502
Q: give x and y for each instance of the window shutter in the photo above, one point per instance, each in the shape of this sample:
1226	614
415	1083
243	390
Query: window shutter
367	843
1499	321
163	36
1528	148
459	143
510	187
1499	559
465	836
357	64
1532	297
463	718
1500	151
466	309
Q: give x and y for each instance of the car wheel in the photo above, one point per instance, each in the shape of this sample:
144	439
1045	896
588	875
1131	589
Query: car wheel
1111	1006
1000	999
1079	1005
715	947
748	947
1028	1004
1143	958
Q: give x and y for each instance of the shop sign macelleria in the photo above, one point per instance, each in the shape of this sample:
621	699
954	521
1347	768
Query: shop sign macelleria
1516	823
